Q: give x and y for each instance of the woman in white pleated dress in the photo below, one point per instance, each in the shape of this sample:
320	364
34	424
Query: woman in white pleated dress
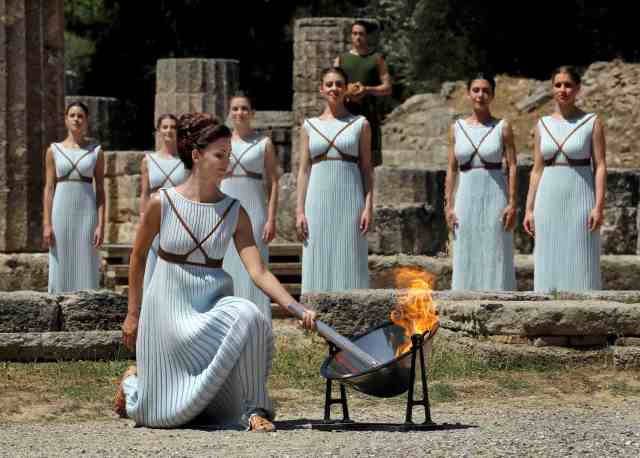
201	352
162	169
565	203
74	206
334	193
253	163
480	197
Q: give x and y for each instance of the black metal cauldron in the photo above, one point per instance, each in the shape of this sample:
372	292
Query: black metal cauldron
393	376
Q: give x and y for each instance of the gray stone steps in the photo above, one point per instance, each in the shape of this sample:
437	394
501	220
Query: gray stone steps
508	328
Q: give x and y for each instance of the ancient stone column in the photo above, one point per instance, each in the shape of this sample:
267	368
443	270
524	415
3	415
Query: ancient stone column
316	44
105	120
186	85
31	113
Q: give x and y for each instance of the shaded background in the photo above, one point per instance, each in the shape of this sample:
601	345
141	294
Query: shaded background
112	45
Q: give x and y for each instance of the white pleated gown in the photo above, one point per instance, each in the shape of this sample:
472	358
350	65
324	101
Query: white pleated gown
482	249
248	188
335	256
199	349
74	263
566	253
163	173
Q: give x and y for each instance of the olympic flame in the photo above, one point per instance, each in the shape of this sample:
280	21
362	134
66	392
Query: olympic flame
415	311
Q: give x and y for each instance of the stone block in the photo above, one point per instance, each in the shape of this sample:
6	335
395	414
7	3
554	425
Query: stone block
121	232
123	198
551	341
620	272
619	232
286	216
510	340
628	342
356	311
92	311
63	346
190	84
24	271
626	357
587	341
397	186
502	354
383	269
409	229
28	311
123	163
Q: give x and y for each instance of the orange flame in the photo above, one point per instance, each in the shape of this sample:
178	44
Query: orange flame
415	310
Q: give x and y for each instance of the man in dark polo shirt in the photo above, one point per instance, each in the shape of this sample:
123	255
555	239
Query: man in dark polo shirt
368	78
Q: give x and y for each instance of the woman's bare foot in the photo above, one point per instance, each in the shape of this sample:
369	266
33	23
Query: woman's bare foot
260	424
119	403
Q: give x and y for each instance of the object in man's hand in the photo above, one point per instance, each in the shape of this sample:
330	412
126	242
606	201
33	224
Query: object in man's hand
355	92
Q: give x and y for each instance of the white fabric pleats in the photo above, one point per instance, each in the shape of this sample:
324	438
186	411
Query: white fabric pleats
163	173
248	156
335	256
73	260
199	349
566	254
482	249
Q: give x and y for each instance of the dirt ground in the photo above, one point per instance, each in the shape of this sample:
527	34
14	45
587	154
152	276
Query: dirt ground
63	409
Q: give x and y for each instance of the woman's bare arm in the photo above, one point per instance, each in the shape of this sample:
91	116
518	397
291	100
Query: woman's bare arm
366	171
450	182
47	197
271	172
148	228
304	171
534	181
100	199
261	276
145	188
509	214
599	148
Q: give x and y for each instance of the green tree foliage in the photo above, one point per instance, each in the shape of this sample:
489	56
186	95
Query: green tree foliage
430	41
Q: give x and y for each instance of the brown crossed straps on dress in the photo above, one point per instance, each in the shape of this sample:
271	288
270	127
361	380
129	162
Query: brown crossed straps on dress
570	162
238	163
74	167
332	144
167	176
183	258
476	152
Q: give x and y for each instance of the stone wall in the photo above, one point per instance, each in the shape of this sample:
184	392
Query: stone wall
31	107
122	190
507	327
55	327
188	85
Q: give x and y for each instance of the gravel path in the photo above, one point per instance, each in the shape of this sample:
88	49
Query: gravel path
526	427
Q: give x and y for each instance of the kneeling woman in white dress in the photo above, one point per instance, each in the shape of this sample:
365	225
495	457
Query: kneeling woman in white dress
200	351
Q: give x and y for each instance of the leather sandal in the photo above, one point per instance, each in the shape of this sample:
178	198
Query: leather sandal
260	424
119	402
